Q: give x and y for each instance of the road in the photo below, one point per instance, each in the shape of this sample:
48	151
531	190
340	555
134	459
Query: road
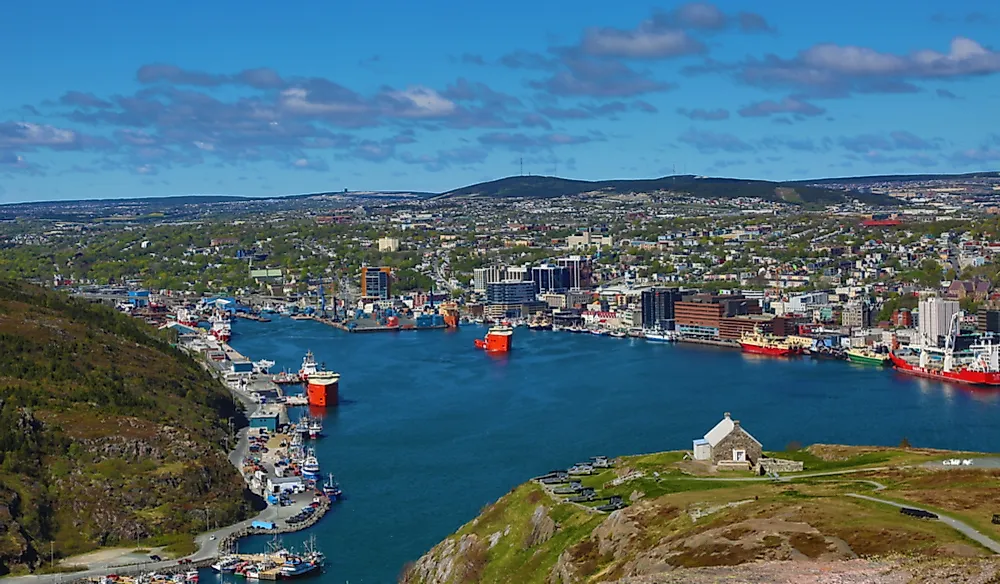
960	526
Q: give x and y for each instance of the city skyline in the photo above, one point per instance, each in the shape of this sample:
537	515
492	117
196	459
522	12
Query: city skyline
235	99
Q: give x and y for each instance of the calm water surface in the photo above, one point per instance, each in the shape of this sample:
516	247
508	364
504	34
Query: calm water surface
430	430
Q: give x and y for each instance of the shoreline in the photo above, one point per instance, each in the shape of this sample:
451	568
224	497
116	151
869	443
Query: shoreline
210	544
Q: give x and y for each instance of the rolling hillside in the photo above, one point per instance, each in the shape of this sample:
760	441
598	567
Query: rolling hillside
108	434
549	187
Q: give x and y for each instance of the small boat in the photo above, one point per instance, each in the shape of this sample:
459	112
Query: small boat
191	576
331	488
657	336
315	428
310	468
226	564
619	334
300	316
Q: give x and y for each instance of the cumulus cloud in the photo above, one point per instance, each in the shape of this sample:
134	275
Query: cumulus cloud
789	105
589	111
711	142
588	76
260	78
310	164
645	42
830	70
708	115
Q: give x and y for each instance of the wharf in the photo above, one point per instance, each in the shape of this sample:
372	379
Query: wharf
726	344
229	544
252	316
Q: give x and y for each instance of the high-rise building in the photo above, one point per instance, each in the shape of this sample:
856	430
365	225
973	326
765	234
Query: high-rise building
934	319
658	307
580	270
518	273
481	277
988	320
510	292
549	278
376	282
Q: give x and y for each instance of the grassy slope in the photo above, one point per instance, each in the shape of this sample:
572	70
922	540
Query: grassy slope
107	433
810	517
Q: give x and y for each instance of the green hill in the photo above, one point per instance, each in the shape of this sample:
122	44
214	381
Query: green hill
728	188
686	523
108	434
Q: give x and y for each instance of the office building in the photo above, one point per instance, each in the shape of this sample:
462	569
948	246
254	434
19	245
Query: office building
579	270
549	278
858	314
934	319
988	320
510	292
658	307
518	273
588	238
376	282
481	277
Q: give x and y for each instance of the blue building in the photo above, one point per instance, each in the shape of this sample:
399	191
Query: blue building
138	298
510	293
267	420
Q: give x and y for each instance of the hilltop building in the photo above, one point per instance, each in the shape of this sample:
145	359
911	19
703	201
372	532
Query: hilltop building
728	444
389	244
589	238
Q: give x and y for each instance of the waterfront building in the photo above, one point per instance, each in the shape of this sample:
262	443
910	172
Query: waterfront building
389	244
858	314
728	444
731	328
579	270
934	318
376	282
481	277
510	292
700	316
658	307
549	278
577	298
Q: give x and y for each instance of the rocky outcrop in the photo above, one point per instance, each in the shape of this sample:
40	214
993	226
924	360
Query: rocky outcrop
543	527
455	560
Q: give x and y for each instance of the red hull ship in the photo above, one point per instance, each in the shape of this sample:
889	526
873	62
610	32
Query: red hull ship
498	340
758	344
961	375
323	389
978	365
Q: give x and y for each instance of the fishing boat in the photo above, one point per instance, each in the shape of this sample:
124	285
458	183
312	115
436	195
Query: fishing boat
331	488
315	428
226	564
866	356
619	334
657	336
760	344
191	576
498	340
310	467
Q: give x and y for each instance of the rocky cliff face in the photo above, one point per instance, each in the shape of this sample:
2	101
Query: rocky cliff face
680	529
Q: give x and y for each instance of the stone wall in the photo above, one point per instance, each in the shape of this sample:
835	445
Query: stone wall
738	439
779	465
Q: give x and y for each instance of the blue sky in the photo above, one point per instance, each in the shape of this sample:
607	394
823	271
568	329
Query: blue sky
122	99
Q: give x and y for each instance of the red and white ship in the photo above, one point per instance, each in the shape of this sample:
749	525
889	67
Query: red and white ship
220	328
187	317
308	366
759	344
498	340
978	365
322	388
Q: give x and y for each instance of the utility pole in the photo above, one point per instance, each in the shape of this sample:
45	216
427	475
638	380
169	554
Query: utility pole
52	554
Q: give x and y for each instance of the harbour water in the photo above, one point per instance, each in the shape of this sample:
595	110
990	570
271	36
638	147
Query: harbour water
430	430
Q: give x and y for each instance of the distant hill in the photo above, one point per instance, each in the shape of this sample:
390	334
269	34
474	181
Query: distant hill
899	178
108	434
550	186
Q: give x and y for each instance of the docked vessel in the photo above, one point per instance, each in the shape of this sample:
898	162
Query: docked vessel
331	488
866	356
220	328
658	336
310	467
977	365
449	310
187	317
538	323
322	388
308	366
315	428
226	565
498	340
760	344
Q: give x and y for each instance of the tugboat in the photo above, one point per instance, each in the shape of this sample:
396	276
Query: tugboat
331	488
759	344
497	340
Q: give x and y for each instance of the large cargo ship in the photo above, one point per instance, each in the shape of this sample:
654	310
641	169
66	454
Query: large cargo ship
322	388
221	329
498	340
759	344
977	365
450	312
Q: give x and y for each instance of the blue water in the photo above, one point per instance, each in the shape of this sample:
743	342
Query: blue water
430	430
